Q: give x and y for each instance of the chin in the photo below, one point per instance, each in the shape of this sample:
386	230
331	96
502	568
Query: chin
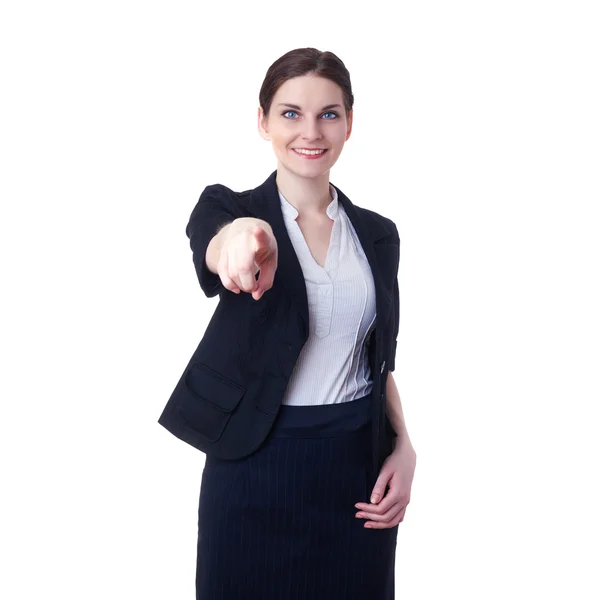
309	173
309	168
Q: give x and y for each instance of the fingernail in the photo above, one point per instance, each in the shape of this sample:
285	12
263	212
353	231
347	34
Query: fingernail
374	498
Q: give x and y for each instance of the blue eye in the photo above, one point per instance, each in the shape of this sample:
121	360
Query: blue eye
287	112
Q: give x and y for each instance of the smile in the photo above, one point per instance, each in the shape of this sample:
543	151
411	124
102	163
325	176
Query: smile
304	152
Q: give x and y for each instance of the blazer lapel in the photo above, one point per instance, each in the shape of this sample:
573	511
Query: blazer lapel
264	203
369	232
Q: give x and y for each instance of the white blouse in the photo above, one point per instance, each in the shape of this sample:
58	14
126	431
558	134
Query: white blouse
333	366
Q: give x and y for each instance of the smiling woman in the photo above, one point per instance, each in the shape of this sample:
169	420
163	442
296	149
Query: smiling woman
306	112
289	400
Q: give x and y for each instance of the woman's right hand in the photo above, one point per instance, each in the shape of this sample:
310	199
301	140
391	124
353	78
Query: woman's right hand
249	246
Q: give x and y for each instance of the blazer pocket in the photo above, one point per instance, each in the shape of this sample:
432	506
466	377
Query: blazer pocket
208	401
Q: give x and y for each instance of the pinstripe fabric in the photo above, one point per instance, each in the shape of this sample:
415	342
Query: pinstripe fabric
280	524
333	364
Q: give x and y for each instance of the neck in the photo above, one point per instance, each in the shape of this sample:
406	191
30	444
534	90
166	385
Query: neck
310	196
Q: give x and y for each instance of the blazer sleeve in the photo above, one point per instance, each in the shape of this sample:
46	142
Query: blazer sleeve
212	212
396	309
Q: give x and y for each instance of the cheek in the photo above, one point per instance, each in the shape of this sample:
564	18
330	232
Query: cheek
340	135
284	145
280	144
280	138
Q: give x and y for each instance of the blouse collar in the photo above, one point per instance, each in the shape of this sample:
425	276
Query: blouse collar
290	213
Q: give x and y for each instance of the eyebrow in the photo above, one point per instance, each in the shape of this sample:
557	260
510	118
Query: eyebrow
296	107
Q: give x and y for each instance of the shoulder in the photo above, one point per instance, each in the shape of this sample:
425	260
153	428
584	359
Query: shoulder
218	204
376	221
380	226
221	193
217	198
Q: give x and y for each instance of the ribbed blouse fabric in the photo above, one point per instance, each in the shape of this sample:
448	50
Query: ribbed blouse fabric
333	366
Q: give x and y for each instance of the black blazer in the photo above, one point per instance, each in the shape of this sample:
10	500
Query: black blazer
229	394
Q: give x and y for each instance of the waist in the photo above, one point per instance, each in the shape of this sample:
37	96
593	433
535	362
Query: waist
324	420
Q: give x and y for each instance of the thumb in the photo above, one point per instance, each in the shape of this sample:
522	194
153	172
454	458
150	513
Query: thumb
265	257
261	238
379	488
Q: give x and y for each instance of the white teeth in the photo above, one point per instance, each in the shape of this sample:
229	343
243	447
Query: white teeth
311	152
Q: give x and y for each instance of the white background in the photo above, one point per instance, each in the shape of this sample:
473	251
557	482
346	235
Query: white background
476	130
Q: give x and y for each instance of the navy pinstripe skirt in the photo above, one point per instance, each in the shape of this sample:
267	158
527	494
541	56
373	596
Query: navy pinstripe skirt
280	523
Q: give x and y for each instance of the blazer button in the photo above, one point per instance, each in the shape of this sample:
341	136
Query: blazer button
382	366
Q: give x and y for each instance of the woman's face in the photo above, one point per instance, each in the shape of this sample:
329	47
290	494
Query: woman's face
307	112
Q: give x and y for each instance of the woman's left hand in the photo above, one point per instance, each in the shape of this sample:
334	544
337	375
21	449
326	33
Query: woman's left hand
397	472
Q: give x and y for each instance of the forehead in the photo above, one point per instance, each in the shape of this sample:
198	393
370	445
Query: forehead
309	91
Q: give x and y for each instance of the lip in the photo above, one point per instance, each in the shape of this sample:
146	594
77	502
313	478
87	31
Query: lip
308	157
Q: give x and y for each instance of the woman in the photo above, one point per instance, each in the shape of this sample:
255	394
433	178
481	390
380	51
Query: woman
292	519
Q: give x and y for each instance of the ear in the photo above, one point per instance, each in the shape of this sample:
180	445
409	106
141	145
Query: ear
350	117
262	125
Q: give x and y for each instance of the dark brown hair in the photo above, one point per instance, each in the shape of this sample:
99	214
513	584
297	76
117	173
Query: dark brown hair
303	61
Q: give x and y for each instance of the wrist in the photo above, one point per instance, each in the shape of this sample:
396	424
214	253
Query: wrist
403	445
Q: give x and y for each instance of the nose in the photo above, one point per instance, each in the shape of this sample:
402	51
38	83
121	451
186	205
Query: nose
312	130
